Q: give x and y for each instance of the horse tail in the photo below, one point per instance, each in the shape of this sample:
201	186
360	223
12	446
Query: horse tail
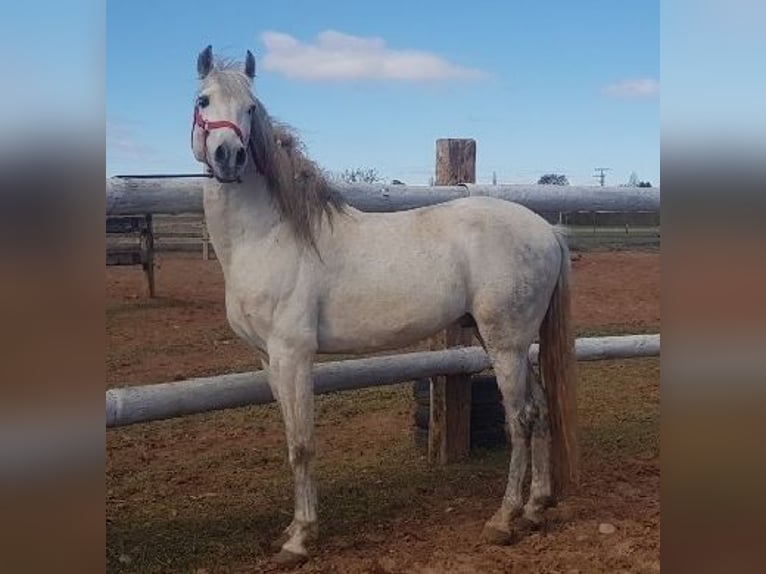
558	371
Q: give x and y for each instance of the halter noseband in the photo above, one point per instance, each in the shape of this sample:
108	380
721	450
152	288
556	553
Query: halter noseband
208	126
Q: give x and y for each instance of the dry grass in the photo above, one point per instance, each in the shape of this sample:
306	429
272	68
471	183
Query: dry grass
213	490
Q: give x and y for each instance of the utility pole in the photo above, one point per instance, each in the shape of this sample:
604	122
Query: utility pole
601	175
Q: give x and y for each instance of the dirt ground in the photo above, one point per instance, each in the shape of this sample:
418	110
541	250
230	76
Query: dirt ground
209	493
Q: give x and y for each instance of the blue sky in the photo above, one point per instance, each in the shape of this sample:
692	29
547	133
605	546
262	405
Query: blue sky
542	86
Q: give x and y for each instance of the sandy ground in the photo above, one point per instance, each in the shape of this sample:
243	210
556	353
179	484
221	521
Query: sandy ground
208	493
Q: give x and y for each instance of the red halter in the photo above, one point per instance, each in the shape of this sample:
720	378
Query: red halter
208	126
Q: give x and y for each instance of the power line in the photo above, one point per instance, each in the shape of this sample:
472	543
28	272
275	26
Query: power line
601	176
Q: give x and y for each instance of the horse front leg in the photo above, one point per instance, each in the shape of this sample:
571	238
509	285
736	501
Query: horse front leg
290	379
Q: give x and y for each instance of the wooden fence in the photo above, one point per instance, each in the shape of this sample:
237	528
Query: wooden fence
449	430
186	233
134	244
131	405
130	196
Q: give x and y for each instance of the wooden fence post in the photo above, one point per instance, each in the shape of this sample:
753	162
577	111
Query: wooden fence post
205	242
147	244
449	431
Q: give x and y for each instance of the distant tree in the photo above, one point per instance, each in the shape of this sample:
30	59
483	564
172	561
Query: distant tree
397	182
359	175
634	181
553	179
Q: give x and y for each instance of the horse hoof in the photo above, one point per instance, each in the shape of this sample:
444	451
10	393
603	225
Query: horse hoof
497	537
286	559
530	523
276	546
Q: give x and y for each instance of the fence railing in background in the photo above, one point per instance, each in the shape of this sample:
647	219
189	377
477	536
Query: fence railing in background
132	244
128	195
448	430
130	405
182	233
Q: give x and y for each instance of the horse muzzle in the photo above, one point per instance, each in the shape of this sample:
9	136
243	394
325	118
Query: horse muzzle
228	163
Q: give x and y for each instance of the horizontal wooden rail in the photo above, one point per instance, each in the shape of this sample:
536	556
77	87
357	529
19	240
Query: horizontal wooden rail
130	405
168	195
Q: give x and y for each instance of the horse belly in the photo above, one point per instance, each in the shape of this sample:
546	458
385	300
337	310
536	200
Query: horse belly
378	318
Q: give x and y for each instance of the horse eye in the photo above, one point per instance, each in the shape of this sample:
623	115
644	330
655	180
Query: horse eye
203	101
250	110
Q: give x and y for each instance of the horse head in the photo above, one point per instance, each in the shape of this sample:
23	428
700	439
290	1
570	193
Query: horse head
222	116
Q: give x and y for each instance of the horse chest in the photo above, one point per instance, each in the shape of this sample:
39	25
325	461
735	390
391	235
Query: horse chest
250	316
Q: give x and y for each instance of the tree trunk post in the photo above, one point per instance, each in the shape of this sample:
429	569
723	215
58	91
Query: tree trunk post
147	247
205	242
449	432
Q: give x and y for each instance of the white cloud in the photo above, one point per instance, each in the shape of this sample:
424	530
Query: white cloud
337	56
633	88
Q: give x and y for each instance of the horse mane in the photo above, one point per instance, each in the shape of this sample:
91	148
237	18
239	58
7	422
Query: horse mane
297	185
299	188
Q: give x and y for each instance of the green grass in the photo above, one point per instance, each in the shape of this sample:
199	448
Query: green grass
637	328
618	404
612	230
206	504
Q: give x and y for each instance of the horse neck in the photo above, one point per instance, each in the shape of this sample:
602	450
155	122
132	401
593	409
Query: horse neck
238	215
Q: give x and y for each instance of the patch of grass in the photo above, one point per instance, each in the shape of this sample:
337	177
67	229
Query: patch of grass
637	328
354	499
618	404
214	490
336	407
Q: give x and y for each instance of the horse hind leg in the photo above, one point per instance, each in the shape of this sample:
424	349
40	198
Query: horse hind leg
510	365
540	488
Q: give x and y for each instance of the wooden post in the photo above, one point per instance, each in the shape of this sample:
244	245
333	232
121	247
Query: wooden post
455	161
147	246
205	242
449	432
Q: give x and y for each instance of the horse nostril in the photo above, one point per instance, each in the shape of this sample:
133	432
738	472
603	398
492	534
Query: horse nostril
220	154
241	156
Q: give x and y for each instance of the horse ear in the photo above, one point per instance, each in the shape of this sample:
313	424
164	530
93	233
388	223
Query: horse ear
250	65
205	62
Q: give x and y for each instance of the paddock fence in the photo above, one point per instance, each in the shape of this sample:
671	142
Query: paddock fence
131	405
127	195
449	369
